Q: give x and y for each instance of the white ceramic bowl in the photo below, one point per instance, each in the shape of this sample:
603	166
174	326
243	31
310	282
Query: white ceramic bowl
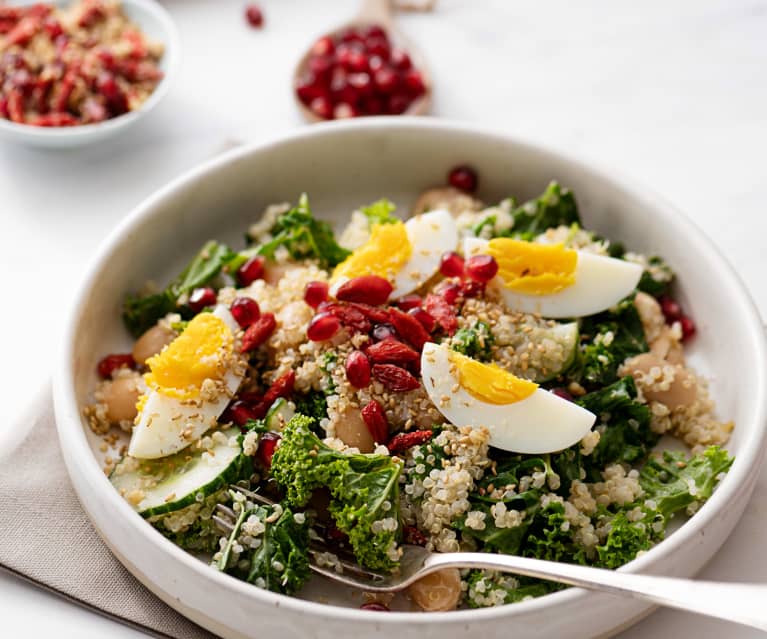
342	165
157	24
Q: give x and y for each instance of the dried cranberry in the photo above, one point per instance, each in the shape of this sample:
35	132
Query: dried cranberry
322	107
374	605
481	268
251	271
202	298
409	301
562	393
258	332
375	419
267	444
113	362
671	309
316	292
239	413
322	327
254	16
426	320
463	178
688	327
358	369
451	265
245	311
384	331
367	289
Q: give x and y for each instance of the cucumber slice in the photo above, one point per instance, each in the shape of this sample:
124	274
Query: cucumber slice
568	336
155	487
279	414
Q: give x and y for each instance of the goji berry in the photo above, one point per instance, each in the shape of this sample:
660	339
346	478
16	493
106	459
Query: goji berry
373	313
402	441
258	332
375	419
409	328
348	315
395	378
281	387
367	289
442	312
391	351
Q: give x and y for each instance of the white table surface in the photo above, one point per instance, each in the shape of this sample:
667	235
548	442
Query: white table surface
673	94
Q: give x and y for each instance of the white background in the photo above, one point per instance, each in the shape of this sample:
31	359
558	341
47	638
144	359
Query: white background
674	94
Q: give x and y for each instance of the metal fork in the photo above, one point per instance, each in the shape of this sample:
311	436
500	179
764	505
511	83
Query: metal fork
739	602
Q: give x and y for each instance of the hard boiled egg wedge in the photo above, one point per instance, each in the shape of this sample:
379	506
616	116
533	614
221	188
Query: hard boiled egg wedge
405	253
190	383
520	416
554	281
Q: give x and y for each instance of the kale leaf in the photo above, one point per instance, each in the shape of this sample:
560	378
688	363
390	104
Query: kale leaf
142	312
656	279
549	536
475	341
380	212
625	539
626	436
364	490
489	588
554	207
312	404
303	236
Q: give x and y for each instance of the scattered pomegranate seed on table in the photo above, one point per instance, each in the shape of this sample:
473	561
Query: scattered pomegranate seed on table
358	72
463	178
254	16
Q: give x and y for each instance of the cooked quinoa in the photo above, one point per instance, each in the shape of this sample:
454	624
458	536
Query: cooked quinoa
333	420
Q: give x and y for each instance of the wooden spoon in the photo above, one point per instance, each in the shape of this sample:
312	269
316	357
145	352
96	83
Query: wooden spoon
374	12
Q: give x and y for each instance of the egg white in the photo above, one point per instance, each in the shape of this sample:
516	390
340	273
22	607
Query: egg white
600	282
163	420
540	423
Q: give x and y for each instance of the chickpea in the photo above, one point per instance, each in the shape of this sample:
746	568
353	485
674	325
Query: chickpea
650	314
352	431
683	391
437	592
120	397
667	347
455	201
152	342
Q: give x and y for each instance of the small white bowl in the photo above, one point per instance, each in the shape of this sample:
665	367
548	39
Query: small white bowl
341	165
157	24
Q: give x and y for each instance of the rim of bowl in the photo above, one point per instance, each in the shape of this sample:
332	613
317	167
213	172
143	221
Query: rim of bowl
170	59
71	430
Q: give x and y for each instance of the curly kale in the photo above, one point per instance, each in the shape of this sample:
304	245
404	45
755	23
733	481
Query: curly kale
489	588
625	435
278	557
611	337
475	341
364	490
380	212
141	312
554	207
303	236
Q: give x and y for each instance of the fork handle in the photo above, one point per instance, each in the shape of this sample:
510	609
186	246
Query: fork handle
739	602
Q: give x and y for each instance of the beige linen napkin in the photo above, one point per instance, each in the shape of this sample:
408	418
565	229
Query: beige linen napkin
47	539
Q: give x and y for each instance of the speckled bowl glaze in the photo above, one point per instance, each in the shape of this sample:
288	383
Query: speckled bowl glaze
342	165
156	23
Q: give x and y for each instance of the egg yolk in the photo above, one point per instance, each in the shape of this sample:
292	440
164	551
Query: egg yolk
489	383
199	353
384	254
531	268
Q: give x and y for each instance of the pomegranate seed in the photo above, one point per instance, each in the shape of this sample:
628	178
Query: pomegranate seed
316	293
395	378
451	265
321	66
323	107
323	326
402	441
562	393
239	413
375	45
688	327
358	369
376	31
351	35
202	298
367	289
254	16
245	311
324	46
374	605
385	79
384	331
258	332
112	362
481	268
376	62
361	83
94	111
53	28
344	110
463	178
308	88
398	103
266	446
407	302
375	419
343	54
449	291
426	320
372	106
251	271
400	59
413	80
472	289
671	309
358	61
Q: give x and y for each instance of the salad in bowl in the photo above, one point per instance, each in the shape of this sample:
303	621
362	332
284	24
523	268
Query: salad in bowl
458	376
